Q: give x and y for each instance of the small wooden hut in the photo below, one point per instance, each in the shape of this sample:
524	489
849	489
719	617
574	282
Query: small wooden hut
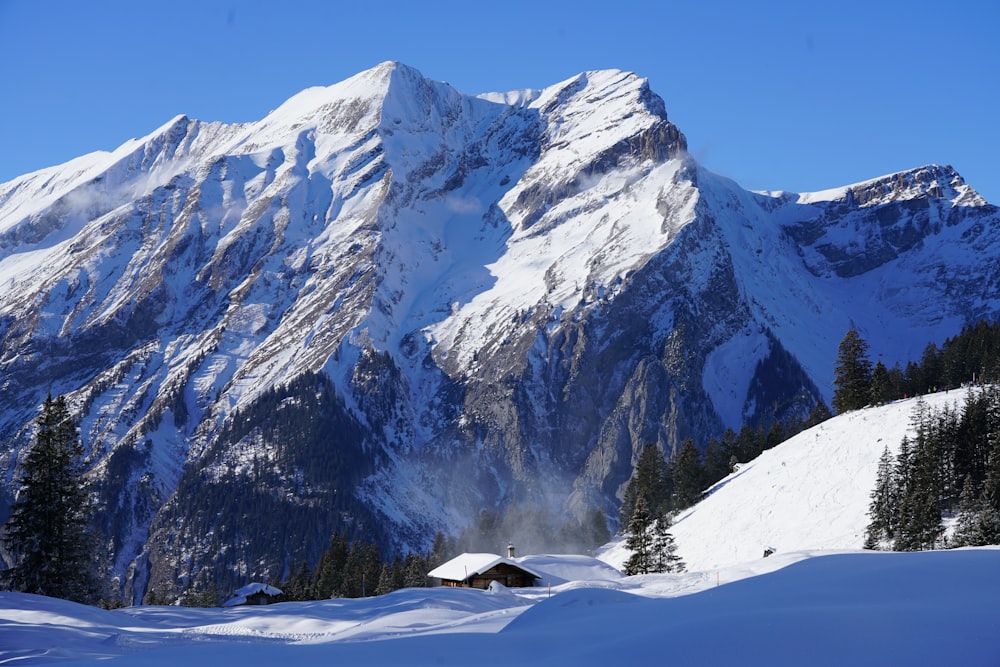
255	593
478	570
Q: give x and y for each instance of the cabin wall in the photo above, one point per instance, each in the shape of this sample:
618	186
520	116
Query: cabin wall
509	576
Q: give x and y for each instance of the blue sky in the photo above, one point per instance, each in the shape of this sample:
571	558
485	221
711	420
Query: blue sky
777	95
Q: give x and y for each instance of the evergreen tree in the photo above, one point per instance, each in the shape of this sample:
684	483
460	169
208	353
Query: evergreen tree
648	483
990	496
688	476
48	532
852	374
931	369
639	541
329	575
298	586
716	462
919	523
967	521
882	391
987	530
664	549
882	509
415	569
385	580
819	414
728	445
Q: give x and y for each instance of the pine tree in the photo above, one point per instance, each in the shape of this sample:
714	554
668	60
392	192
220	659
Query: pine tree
415	571
919	524
596	528
385	580
664	556
688	476
987	525
882	391
852	374
328	579
967	520
819	414
298	586
989	500
48	533
882	509
648	482
639	541
443	549
716	462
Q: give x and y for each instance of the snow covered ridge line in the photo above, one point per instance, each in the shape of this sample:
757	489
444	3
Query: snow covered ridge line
471	294
824	609
927	181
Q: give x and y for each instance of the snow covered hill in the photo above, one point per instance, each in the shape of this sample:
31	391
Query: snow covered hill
810	492
926	608
388	305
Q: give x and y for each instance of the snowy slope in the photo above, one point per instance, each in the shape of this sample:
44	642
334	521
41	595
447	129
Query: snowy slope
818	600
873	608
810	492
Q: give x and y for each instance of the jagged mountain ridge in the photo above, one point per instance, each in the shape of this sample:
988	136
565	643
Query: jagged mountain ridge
486	297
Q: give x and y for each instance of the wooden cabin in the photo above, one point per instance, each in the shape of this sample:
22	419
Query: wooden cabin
478	570
255	593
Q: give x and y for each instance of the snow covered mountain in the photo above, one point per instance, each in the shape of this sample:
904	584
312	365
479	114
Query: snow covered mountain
388	305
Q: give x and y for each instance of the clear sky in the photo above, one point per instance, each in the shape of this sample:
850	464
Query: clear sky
778	95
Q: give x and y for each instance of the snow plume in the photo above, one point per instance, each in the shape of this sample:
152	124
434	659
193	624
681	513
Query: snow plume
535	518
463	205
464	496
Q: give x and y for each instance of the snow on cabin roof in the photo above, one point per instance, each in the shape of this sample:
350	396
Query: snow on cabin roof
240	596
258	587
465	565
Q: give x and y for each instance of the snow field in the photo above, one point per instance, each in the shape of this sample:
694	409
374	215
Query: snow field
806	608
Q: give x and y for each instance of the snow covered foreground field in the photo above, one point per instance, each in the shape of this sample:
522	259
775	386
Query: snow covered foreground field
806	608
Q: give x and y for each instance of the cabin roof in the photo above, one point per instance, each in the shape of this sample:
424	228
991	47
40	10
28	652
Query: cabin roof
240	596
465	565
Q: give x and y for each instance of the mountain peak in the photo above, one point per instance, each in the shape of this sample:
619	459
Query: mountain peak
934	181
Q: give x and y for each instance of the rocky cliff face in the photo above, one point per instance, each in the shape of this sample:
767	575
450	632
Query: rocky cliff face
388	305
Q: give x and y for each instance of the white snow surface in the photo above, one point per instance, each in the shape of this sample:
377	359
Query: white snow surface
818	601
810	492
799	608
